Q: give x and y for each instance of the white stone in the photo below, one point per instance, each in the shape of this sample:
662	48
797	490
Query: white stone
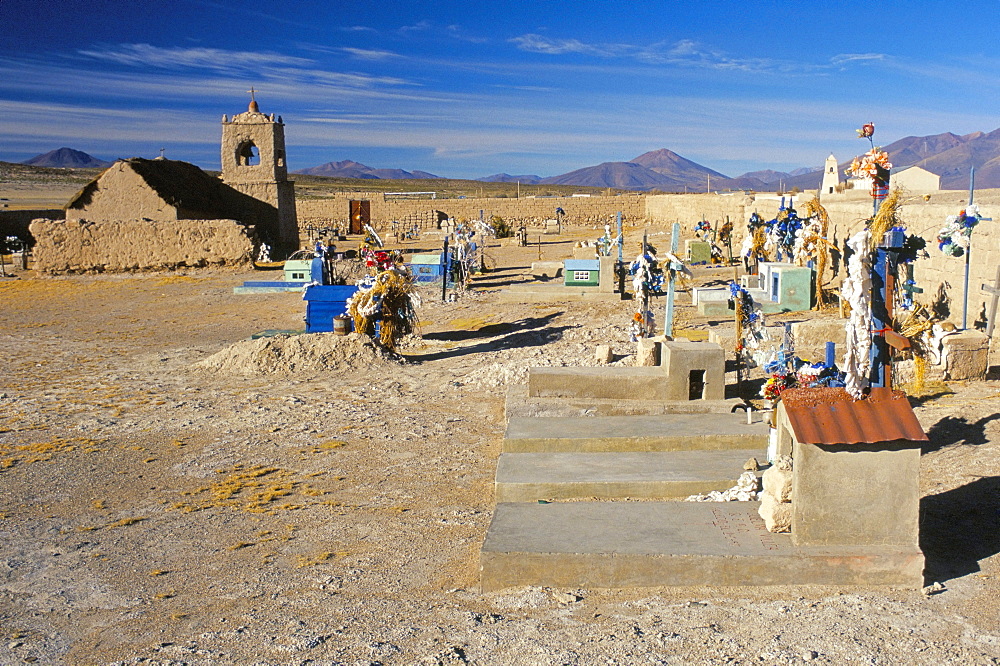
778	484
603	354
777	515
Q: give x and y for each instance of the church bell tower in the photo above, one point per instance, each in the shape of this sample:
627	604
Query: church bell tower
254	163
831	178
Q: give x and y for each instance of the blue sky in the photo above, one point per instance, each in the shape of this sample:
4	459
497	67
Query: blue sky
468	89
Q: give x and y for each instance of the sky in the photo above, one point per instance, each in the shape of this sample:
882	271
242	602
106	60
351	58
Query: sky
469	89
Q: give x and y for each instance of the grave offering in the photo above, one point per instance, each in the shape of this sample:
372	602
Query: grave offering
386	301
647	279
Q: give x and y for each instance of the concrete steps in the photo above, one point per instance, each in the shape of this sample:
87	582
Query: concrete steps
642	544
667	432
601	382
528	477
520	404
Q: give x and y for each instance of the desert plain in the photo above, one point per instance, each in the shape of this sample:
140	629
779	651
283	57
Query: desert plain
172	492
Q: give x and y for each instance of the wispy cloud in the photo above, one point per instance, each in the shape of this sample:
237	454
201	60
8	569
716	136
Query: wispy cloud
147	55
369	54
685	53
534	43
458	32
846	58
419	26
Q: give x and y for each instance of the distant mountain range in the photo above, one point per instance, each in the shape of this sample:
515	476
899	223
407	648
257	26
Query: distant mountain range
350	169
67	158
507	178
948	155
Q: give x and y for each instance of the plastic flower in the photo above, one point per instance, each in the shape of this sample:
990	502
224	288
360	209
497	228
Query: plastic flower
866	131
868	165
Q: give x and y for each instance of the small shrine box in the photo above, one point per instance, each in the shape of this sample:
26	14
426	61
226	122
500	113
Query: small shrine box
855	468
304	270
427	267
582	272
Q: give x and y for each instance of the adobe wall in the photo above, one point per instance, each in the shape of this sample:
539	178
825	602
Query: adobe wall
597	210
79	246
665	209
937	271
123	194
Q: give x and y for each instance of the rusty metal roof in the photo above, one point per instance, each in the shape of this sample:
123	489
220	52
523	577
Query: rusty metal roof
832	416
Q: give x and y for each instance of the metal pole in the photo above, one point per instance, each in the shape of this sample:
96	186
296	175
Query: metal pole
446	269
968	253
668	320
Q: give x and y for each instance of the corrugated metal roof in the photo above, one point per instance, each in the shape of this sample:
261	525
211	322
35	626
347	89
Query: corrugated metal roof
832	416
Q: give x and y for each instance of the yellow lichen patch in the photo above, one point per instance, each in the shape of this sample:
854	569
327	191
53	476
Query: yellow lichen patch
124	522
165	595
158	572
15	454
311	560
174	279
330	445
240	545
471	323
253	490
98	504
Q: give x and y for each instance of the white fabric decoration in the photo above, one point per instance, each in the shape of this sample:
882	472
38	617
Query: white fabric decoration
856	290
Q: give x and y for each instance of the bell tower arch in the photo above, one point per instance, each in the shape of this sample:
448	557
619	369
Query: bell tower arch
254	163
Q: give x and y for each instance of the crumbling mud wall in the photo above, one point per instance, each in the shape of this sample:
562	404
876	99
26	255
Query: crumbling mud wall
79	246
591	210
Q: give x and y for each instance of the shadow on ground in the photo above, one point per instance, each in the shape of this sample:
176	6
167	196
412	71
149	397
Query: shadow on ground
530	332
959	528
954	429
493	330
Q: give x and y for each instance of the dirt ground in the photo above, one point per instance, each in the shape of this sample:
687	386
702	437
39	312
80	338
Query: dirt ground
330	508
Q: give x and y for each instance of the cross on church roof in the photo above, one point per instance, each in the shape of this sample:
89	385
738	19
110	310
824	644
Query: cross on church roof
252	92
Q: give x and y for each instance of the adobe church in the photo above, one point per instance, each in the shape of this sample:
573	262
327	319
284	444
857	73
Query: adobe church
253	203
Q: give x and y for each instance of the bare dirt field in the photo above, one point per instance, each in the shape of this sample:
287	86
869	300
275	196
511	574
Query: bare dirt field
173	494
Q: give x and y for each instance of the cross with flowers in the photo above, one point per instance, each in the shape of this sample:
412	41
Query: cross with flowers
873	165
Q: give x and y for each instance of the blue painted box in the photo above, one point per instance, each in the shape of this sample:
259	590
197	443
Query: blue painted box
323	303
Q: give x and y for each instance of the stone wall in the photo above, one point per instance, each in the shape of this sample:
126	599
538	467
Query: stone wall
79	246
598	210
665	209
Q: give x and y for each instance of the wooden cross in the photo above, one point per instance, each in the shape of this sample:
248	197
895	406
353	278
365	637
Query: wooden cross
909	287
995	292
252	93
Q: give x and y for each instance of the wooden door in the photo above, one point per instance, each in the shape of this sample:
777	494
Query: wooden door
361	214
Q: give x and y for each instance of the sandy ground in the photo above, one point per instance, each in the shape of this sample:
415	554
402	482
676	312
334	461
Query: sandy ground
156	512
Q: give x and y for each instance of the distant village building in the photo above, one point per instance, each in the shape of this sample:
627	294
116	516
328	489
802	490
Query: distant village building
912	178
916	179
831	178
